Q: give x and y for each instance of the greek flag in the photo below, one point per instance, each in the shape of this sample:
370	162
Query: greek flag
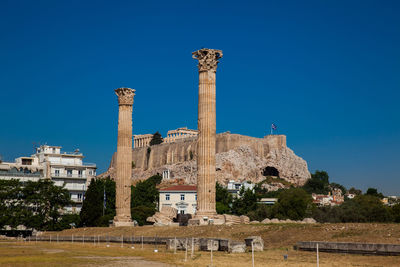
273	127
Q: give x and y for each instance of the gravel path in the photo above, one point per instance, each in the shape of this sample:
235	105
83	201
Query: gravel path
125	262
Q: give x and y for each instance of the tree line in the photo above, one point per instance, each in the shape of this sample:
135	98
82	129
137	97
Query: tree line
36	205
39	205
296	203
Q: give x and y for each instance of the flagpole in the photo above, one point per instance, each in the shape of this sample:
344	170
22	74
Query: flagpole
104	197
271	129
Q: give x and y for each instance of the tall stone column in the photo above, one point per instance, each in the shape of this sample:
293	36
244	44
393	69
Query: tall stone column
124	158
208	60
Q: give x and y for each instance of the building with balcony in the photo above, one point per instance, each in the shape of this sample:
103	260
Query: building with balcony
235	187
23	169
181	197
64	168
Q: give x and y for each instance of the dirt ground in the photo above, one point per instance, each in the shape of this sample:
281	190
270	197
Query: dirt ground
274	235
44	254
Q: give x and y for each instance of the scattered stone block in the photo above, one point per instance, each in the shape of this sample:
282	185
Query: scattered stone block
164	217
219	219
258	243
254	222
266	221
237	247
206	244
244	219
178	244
224	244
309	220
232	219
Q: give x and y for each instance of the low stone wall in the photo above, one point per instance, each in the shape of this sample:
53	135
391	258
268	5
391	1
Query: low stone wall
353	248
202	244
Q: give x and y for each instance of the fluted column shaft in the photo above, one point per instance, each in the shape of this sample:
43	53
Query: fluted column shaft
206	145
208	60
124	158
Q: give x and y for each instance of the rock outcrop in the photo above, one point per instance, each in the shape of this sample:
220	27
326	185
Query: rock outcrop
239	158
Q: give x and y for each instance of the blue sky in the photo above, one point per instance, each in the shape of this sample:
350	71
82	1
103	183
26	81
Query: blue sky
327	73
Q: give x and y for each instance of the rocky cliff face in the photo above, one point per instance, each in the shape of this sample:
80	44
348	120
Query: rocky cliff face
239	158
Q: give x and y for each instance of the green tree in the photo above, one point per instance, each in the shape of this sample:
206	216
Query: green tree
93	205
355	191
293	203
319	183
260	191
141	213
373	209
260	213
363	208
246	201
396	213
374	192
35	205
156	139
144	198
44	201
223	199
12	208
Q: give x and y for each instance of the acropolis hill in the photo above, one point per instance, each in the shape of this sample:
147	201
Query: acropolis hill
239	158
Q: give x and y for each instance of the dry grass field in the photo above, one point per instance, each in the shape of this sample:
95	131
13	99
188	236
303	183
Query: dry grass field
274	235
279	240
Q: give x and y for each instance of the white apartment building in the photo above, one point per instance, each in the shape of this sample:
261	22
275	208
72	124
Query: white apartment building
64	168
181	197
23	169
235	187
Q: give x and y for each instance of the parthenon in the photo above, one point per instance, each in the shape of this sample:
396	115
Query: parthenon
143	140
180	133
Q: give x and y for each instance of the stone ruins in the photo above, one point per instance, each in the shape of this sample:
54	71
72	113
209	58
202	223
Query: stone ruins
143	140
199	157
208	61
124	158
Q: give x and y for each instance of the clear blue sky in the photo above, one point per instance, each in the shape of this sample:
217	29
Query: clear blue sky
327	73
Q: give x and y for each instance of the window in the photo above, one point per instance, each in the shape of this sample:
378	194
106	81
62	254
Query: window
69	173
54	150
195	196
80	173
79	197
90	172
182	196
182	212
167	197
57	173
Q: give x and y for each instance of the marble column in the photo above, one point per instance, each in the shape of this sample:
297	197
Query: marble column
208	60
124	158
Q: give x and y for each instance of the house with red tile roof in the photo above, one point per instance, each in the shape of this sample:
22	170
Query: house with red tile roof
181	197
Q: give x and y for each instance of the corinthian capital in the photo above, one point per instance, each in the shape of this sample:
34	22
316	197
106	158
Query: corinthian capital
208	59
125	96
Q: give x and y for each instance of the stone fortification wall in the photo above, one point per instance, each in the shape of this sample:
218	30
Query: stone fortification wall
239	158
